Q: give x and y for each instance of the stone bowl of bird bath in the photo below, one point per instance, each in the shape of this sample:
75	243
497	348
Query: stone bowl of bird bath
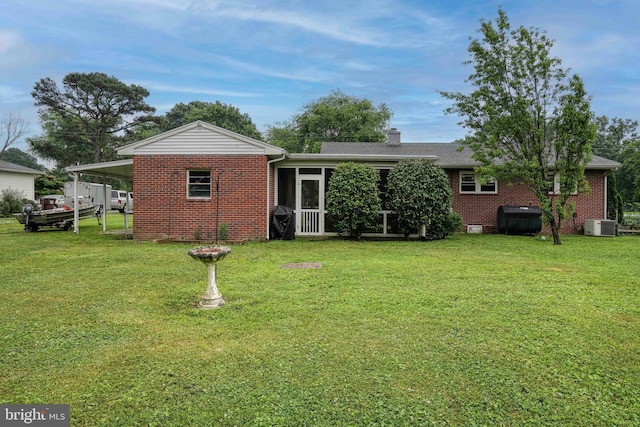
210	255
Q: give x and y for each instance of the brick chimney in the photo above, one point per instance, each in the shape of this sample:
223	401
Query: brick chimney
393	137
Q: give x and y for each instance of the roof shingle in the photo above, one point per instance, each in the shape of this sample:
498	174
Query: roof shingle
447	154
12	167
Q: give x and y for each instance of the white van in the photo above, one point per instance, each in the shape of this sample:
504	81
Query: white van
129	202
118	200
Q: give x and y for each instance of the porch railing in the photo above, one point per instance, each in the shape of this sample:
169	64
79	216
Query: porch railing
309	222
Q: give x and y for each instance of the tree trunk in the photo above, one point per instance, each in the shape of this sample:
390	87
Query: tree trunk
555	230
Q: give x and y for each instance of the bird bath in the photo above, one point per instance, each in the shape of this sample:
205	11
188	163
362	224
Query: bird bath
210	255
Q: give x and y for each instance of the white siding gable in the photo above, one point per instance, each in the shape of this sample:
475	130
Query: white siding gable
199	138
199	141
18	181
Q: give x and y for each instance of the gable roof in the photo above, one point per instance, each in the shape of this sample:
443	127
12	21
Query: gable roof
446	154
12	167
199	138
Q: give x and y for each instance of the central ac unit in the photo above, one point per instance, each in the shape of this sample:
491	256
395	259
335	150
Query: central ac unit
599	227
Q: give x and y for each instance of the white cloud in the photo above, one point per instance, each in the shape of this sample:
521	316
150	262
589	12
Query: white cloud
197	90
8	41
359	66
308	74
10	95
366	26
16	53
306	22
163	4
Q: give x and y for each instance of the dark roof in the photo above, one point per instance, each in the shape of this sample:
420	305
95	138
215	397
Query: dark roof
12	167
447	154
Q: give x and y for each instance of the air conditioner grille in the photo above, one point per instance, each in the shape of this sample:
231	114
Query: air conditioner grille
607	228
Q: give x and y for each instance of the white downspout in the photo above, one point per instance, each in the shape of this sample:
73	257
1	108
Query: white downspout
606	187
284	156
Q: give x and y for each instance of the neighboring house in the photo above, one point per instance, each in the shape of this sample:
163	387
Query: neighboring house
191	180
19	178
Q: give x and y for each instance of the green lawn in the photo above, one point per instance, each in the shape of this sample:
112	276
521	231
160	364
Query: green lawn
472	330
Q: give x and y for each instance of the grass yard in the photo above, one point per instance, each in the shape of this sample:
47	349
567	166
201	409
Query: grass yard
472	330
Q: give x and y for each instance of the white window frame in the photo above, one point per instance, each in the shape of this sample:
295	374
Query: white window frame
201	185
477	183
556	184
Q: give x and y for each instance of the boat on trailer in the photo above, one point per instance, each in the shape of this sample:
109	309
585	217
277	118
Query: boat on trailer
58	217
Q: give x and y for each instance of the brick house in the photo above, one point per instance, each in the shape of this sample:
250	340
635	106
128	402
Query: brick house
191	181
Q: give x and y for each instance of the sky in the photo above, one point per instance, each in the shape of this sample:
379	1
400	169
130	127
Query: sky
271	58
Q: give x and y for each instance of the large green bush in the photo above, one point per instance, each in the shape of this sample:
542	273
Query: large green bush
11	201
353	202
48	184
419	192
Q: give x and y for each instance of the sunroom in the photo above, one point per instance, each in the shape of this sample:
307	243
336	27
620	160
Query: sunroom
301	183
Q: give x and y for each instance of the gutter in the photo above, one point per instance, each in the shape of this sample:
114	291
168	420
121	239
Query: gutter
269	163
606	202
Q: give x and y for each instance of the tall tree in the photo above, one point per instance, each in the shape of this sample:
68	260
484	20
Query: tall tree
629	174
613	135
218	114
336	117
285	135
90	114
19	157
63	141
49	184
618	139
12	128
529	122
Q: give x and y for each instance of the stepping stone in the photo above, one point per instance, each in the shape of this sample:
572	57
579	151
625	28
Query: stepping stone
303	265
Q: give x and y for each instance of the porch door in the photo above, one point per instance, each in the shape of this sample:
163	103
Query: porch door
310	197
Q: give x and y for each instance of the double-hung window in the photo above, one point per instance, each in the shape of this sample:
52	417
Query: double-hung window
472	183
199	184
553	184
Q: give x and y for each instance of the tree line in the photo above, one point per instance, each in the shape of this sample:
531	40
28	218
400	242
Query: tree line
93	114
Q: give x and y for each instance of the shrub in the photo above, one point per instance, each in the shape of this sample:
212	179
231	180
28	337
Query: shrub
452	224
48	184
353	202
419	192
224	232
11	201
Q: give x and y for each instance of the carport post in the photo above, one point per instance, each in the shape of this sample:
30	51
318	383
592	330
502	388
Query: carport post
76	214
104	201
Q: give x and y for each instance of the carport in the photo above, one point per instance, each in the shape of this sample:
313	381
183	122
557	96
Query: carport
122	169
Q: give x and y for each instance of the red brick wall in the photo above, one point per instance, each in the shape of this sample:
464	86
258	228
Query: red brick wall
482	209
162	209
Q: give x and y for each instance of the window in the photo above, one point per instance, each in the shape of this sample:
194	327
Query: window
287	187
467	182
471	182
310	171
382	188
553	184
199	184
